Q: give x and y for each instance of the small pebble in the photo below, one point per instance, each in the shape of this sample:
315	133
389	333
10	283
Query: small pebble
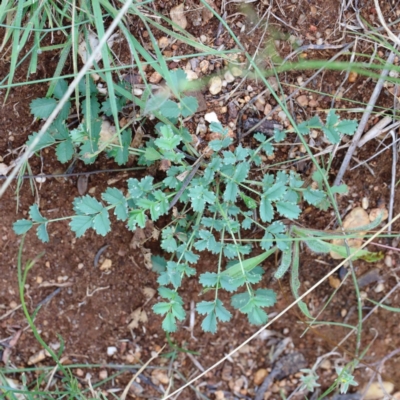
211	117
380	287
191	75
155	77
229	77
13	304
326	364
365	203
215	85
302	100
267	109
103	374
389	261
286	331
79	372
375	391
343	312
352	77
106	264
204	66
111	350
259	376
334	282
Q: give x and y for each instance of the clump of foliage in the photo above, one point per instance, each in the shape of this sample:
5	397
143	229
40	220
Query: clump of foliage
214	203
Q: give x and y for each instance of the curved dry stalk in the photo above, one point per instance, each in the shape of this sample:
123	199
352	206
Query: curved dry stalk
279	315
392	36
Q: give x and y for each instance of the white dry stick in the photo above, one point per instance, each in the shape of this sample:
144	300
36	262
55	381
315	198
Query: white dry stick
393	182
227	356
67	95
375	131
364	119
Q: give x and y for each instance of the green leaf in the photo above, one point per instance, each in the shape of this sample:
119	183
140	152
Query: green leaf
266	210
315	122
117	199
35	215
205	307
279	136
170	109
241	172
208	279
45	141
155	102
179	80
178	311
168	140
209	323
60	88
347	126
80	224
288	210
189	106
231	191
275	192
236	270
42	108
106	105
250	203
257	316
88	205
264	298
169	324
222	313
151	154
22	226
159	264
208	242
317	246
161	308
286	260
65	150
218	128
239	300
313	196
303	128
101	222
260	137
341	189
42	233
229	158
217	144
331	134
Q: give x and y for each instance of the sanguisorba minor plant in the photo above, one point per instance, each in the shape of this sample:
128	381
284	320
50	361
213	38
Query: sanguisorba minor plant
213	198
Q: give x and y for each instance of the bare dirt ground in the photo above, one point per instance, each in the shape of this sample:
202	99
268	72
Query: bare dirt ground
92	308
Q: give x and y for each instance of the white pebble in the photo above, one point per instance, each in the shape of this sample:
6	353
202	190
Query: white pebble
211	117
111	350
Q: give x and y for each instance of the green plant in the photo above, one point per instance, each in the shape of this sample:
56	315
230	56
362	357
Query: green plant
219	201
345	378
